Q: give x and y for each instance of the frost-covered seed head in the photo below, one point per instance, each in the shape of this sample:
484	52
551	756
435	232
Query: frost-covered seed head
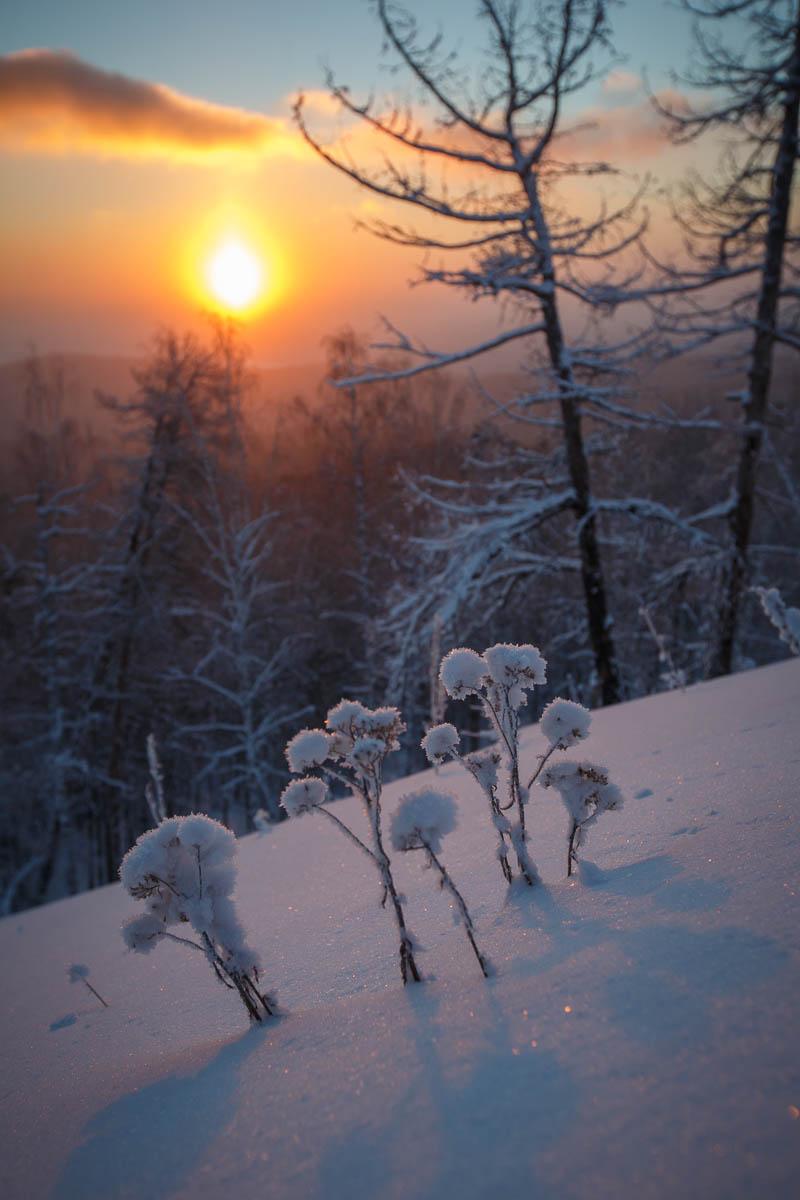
367	751
344	715
515	666
185	871
483	765
384	722
441	742
301	795
308	748
424	816
583	786
564	723
463	673
350	720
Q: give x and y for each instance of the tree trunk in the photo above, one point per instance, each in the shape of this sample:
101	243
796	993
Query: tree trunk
594	587
759	376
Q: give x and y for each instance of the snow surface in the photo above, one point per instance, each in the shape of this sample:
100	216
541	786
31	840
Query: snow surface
640	1038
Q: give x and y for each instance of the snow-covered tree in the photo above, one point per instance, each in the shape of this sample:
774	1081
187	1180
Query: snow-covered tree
184	871
504	133
180	408
51	587
741	235
240	647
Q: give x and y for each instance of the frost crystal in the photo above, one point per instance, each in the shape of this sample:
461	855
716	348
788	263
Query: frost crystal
440	742
301	795
463	673
308	748
423	817
564	723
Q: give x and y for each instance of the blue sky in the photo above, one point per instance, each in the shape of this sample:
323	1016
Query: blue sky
254	53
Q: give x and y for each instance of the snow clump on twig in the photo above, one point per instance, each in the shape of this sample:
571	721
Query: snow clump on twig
423	818
440	743
308	748
564	723
785	619
463	673
301	795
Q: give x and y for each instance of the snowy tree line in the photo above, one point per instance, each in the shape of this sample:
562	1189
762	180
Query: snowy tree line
212	586
214	590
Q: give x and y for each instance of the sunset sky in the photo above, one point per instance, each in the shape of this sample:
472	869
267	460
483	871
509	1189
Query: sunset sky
136	139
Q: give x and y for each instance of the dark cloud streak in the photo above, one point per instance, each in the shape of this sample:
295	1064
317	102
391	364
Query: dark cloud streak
52	100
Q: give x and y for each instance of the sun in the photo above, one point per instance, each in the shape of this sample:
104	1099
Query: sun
235	275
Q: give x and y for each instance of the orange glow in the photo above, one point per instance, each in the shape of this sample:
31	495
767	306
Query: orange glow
229	264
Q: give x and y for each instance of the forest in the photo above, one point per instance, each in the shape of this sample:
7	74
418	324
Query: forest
205	571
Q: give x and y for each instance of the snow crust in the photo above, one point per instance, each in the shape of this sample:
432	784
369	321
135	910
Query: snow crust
638	1039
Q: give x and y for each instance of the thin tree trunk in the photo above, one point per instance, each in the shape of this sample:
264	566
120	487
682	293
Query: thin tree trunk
594	587
760	374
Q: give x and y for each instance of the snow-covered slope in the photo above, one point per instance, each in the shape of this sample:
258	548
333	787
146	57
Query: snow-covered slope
640	1037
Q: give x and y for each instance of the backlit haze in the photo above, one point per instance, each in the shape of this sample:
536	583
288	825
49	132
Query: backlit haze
152	171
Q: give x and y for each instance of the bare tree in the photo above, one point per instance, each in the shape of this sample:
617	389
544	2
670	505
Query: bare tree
182	396
503	132
239	686
50	581
744	275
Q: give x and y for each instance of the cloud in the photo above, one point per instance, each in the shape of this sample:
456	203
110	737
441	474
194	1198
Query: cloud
621	81
623	134
51	101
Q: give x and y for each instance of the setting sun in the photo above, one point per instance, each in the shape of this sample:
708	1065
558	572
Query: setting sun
235	275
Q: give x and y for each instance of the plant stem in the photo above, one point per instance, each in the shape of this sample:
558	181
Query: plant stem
571	855
407	963
94	991
249	994
346	830
447	882
542	760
